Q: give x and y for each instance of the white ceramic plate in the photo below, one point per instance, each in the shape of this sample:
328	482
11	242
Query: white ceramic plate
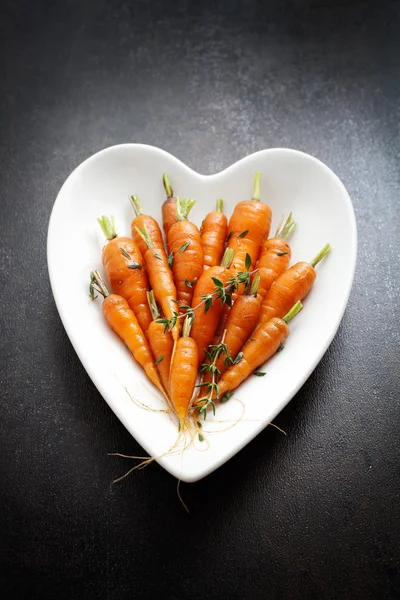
290	181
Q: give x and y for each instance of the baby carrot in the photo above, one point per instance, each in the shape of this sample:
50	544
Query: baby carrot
139	221
275	256
263	345
123	264
161	342
184	242
183	372
248	227
123	321
293	285
169	215
161	279
206	320
213	235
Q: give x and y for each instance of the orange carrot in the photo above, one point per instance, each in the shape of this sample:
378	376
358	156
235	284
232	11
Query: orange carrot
123	321
261	347
206	320
161	343
123	264
241	322
183	372
248	227
275	256
161	279
169	215
151	224
184	242
293	285
213	235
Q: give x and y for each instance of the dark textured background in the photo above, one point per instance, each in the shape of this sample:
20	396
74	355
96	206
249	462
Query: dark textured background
314	515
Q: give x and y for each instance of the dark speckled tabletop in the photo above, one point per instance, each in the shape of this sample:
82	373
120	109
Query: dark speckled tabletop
314	515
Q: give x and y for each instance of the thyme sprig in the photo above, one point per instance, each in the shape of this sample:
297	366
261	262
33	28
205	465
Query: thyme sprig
213	354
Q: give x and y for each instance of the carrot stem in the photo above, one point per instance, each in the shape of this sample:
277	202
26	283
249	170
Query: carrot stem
286	228
144	234
168	188
153	305
254	285
187	324
96	278
256	187
220	205
296	308
137	205
227	258
107	225
320	255
183	208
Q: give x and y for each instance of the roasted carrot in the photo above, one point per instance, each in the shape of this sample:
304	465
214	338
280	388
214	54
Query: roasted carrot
184	242
213	235
161	279
293	285
161	342
248	227
169	215
206	319
239	326
139	221
123	321
275	256
261	347
183	372
123	264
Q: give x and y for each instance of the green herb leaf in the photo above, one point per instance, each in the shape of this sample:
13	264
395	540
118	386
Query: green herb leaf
228	300
259	373
199	425
159	359
238	358
135	266
243	234
184	247
124	252
171	259
281	253
281	347
248	261
226	397
199	385
229	236
217	282
156	255
190	284
253	339
201	438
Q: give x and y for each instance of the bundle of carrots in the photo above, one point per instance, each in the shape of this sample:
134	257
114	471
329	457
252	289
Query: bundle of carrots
209	304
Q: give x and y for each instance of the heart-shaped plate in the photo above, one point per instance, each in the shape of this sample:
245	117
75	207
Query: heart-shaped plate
290	181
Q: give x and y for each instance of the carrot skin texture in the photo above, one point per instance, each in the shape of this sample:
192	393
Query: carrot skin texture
131	284
274	260
161	344
153	229
188	265
263	345
255	218
213	234
293	285
123	321
169	215
183	375
205	324
162	282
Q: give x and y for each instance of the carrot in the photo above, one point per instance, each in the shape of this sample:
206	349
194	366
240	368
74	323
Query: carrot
275	256
184	242
123	321
169	215
123	264
261	347
161	342
241	321
184	372
161	279
213	235
248	227
206	321
151	224
293	285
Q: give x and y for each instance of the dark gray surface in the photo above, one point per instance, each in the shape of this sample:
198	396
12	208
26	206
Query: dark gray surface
311	515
